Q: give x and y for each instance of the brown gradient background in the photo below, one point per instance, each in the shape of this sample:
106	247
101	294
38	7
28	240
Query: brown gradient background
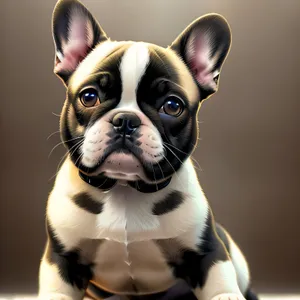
249	147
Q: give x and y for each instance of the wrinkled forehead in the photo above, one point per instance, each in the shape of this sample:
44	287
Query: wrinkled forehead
135	64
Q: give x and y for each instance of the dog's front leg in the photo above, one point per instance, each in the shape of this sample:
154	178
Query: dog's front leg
220	283
206	266
52	286
62	276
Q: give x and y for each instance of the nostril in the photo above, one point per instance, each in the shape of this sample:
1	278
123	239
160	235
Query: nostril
127	128
134	122
132	125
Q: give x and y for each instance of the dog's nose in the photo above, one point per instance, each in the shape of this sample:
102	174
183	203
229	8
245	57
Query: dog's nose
126	123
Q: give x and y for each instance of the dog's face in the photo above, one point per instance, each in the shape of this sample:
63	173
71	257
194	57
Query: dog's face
131	107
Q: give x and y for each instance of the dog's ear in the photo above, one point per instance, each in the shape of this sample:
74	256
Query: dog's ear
75	34
203	46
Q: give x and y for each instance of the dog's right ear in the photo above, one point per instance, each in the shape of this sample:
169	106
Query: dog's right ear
75	34
204	46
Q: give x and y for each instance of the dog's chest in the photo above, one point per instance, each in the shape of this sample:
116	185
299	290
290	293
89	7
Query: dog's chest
126	216
137	267
125	236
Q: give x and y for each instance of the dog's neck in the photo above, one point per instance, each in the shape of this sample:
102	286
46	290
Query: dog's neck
105	183
184	180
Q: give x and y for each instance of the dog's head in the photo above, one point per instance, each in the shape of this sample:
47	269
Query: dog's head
131	107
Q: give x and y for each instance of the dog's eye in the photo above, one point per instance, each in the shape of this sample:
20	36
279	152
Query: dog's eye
89	97
173	106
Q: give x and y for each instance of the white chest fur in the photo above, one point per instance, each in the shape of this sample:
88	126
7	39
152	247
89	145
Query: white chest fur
127	228
127	214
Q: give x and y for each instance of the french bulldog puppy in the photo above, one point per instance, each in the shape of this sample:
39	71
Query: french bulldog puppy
127	216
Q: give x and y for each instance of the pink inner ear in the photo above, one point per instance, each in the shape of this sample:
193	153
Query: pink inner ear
77	46
74	53
200	62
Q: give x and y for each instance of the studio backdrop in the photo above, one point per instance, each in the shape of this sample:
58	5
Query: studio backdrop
249	144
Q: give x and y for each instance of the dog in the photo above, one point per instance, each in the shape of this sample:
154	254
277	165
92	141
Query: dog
127	216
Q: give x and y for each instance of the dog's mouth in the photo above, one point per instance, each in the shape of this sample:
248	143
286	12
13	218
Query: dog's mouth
125	168
122	166
130	159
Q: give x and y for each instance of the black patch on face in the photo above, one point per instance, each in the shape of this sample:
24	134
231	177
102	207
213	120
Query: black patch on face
110	96
193	266
68	262
179	134
170	203
86	202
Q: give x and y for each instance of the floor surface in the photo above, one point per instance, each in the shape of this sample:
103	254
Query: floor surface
262	297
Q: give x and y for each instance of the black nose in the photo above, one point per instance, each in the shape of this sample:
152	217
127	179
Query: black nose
126	123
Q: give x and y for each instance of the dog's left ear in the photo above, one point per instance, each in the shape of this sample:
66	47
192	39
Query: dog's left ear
203	46
75	33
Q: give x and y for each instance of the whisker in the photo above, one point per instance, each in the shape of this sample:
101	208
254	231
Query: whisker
175	155
174	171
55	132
62	143
192	158
78	144
54	148
79	157
176	148
56	115
162	173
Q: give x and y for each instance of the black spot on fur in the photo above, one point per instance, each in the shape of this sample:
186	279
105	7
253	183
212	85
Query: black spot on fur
193	266
168	204
70	268
86	202
250	295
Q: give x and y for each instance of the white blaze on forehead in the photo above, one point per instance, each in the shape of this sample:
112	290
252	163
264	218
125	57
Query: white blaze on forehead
133	65
88	65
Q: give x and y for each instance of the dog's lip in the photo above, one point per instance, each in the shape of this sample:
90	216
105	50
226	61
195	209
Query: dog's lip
123	166
109	168
122	176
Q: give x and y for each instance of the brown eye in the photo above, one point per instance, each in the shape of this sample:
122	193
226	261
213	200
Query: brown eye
173	106
89	97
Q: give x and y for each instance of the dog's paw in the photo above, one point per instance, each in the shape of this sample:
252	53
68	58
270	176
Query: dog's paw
54	296
228	297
